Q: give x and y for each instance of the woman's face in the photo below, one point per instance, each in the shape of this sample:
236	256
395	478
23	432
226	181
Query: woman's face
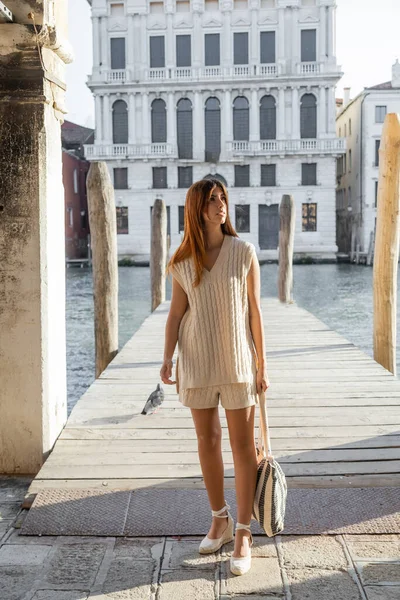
216	207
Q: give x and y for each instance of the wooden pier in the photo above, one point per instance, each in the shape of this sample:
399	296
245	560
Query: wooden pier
334	415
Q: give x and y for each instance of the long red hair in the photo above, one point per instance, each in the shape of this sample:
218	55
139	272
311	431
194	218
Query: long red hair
193	243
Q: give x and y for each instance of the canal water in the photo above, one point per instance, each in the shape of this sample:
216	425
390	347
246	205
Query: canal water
340	295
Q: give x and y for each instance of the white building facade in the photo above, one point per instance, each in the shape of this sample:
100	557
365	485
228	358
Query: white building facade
243	90
360	122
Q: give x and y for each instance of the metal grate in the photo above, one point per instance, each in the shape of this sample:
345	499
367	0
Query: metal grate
165	511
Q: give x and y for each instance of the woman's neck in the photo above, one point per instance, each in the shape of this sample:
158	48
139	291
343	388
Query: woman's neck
214	238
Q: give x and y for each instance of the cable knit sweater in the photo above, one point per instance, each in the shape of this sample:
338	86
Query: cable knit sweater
215	344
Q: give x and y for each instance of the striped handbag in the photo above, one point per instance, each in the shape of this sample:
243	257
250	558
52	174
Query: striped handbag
271	489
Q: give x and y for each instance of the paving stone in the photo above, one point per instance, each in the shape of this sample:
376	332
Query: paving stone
23	555
322	584
4	527
187	584
136	548
43	540
262	547
380	573
311	551
264	578
9	510
367	537
360	550
16	581
185	553
12	495
60	595
382	592
15	482
75	564
127	579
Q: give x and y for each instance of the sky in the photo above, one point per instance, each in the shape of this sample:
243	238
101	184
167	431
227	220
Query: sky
367	44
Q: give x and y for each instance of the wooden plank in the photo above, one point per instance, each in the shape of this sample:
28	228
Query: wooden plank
73	446
331	481
187	470
109	457
98	433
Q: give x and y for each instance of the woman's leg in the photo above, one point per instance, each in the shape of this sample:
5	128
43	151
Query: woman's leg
241	435
209	435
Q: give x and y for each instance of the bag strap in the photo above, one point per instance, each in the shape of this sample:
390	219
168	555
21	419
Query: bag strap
264	442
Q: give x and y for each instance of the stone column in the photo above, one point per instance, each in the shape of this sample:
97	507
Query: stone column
331	129
296	50
281	114
321	112
146	133
281	41
132	112
226	124
198	42
254	117
322	34
98	119
143	43
107	116
169	38
33	397
171	120
254	41
96	43
130	48
330	33
198	127
104	44
226	41
295	114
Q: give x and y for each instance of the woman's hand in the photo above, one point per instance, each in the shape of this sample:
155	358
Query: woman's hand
262	380
166	372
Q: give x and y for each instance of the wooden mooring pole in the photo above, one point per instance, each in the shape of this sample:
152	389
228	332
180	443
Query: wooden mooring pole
386	255
103	229
286	241
158	256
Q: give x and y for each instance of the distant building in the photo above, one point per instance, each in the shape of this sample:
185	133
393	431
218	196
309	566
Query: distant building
360	121
243	90
75	168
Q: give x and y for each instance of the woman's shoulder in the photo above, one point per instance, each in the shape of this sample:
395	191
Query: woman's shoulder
243	245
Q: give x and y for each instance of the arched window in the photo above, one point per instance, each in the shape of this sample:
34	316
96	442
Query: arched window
158	121
240	118
212	125
267	118
184	128
308	116
120	122
217	176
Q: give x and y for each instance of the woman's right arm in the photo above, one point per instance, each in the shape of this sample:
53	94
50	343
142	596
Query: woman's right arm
179	303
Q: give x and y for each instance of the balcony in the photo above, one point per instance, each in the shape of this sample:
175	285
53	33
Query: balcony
280	147
213	72
117	76
112	151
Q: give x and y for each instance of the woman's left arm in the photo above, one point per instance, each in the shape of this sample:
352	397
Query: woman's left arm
256	323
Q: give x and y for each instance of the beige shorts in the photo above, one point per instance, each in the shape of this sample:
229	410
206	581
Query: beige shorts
232	395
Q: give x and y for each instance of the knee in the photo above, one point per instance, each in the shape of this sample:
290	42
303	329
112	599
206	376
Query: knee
208	440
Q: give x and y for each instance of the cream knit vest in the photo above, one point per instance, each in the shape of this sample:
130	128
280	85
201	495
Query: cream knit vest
215	345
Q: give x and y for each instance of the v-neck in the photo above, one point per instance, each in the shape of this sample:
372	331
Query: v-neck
220	256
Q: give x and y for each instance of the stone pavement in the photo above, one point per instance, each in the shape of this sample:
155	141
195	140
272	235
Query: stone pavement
335	567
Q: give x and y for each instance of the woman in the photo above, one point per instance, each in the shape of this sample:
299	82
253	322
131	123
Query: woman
216	319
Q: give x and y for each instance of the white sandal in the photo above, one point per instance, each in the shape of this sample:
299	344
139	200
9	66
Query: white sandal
241	564
208	545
